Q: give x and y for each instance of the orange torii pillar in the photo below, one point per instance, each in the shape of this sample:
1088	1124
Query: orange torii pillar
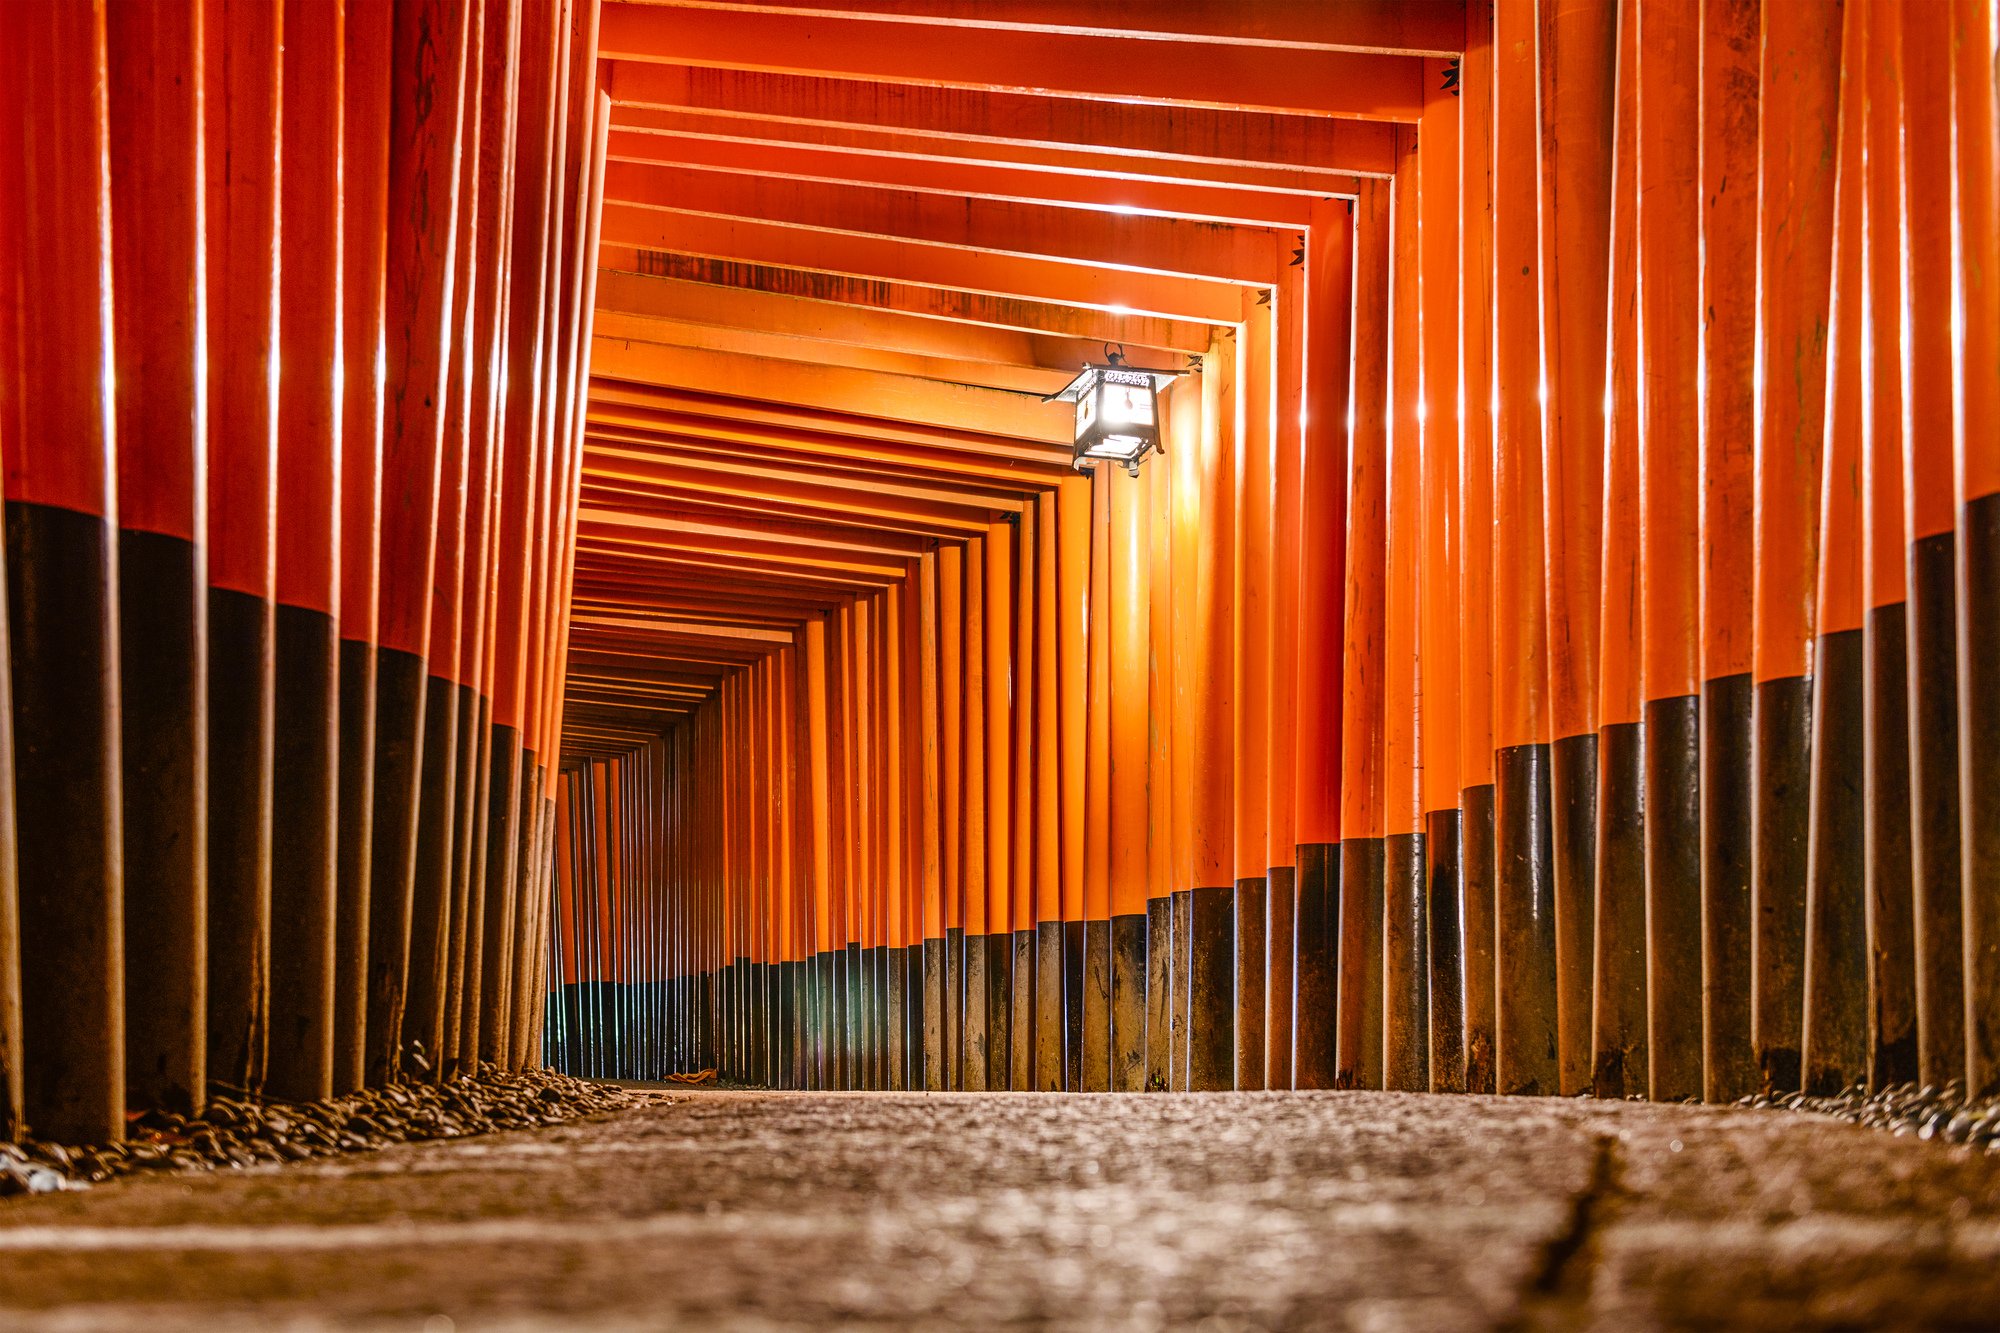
1096	1006
1281	669
1358	1054
1441	544
1885	737
1931	551
1526	1037
1405	931
485	354
933	866
243	51
1797	123
1050	1026
1000	692
1579	46
1192	408
425	134
1619	1051
61	779
369	80
1728	416
1073	509
1025	812
1130	613
1976	261
306	700
1835	964
1321	571
1254	496
973	1037
1475	578
1669	237
157	180
1211	928
1162	866
441	775
950	625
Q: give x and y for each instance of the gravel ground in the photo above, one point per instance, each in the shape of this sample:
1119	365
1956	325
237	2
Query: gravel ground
1217	1212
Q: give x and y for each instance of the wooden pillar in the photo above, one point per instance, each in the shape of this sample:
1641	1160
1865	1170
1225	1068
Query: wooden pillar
1096	1007
157	184
1440	554
1051	1065
1250	606
1192	403
306	673
1025	907
1358	1053
1000	697
1073	702
951	724
425	139
61	785
1211	937
1975	260
1892	980
1321	574
1405	899
1161	866
1528	1043
242	108
1834	1050
1281	715
973	873
1578	68
1130	613
1619	1052
1797	120
1932	554
936	774
1728	416
1475	584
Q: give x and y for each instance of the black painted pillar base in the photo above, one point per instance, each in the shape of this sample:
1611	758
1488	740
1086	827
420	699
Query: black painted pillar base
1051	1055
1128	1003
1212	989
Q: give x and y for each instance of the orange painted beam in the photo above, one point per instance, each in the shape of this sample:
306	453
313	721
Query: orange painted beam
987	181
1012	414
1212	142
751	421
779	494
893	259
768	537
1401	27
1168	73
1038	319
730	340
1130	243
1112	161
827	322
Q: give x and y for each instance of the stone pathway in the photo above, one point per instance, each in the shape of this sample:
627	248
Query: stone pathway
1217	1212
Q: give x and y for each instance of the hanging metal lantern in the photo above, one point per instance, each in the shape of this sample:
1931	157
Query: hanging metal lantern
1117	412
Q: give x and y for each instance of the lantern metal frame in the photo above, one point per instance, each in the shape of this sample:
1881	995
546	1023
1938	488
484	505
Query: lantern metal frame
1108	436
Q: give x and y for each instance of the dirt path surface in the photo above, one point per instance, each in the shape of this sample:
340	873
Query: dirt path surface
1218	1212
